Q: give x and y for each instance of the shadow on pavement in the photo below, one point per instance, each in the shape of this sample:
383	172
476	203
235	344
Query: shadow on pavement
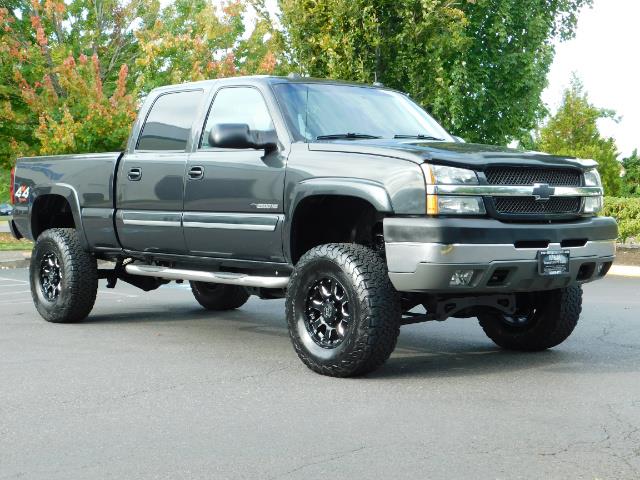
420	353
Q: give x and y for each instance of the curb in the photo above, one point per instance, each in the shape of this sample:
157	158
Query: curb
15	259
625	271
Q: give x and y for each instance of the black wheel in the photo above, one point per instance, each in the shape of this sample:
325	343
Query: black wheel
343	313
215	296
545	321
63	277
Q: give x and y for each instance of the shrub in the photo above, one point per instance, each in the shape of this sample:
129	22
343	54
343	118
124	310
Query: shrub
627	212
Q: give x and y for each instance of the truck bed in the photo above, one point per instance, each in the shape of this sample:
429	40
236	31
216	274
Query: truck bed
85	180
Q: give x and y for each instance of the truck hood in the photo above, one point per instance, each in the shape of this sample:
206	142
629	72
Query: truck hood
470	155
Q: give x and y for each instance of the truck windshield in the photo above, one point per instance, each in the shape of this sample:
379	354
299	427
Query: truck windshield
329	112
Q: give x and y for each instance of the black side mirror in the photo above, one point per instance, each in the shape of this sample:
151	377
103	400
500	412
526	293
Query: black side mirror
239	136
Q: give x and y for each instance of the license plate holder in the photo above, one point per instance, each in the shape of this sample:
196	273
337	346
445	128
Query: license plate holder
553	263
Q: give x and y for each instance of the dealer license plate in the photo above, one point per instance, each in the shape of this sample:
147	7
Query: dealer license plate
553	262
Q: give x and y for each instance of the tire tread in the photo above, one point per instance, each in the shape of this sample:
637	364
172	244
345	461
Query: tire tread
378	332
81	277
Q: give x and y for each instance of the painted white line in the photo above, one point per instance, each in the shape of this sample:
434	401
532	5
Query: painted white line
15	293
14	280
118	293
625	271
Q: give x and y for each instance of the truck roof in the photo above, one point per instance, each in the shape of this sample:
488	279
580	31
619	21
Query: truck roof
265	79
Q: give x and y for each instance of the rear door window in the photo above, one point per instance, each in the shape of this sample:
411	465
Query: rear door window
169	121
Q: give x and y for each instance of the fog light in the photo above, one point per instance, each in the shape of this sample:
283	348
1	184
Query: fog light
461	278
592	204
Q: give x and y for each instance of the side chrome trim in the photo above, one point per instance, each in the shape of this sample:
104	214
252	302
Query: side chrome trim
155	219
226	278
513	190
150	223
263	222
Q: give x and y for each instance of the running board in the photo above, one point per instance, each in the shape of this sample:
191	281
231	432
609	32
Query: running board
227	278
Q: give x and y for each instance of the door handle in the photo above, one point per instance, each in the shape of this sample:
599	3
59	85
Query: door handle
135	174
196	173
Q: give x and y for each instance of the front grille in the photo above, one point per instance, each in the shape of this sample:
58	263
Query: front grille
531	206
565	177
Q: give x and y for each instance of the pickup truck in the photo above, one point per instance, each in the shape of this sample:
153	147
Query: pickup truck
348	200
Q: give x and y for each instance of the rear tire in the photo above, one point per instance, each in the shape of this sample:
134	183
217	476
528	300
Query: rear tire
63	277
219	297
550	319
343	313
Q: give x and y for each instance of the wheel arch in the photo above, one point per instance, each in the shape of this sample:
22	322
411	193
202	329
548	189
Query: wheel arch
56	206
341	208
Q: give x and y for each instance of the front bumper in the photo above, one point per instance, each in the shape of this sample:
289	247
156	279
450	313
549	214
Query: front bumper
502	256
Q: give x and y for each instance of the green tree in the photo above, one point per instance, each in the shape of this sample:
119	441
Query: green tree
54	98
573	131
504	68
72	71
478	65
631	178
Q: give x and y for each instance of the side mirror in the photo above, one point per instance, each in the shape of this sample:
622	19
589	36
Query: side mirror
239	136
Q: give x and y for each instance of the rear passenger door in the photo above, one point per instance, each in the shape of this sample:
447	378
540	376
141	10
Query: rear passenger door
150	185
233	204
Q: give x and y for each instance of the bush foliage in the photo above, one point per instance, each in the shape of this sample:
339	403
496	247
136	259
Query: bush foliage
627	212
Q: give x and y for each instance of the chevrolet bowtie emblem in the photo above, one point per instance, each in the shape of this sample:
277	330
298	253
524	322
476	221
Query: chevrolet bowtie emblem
542	191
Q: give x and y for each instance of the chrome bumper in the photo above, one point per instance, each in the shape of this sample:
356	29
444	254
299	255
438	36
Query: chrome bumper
428	267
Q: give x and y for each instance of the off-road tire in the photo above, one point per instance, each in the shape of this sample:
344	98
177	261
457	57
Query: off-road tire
219	297
375	316
556	315
78	279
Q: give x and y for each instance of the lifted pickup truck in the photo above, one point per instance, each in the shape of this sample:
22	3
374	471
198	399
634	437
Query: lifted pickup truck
348	200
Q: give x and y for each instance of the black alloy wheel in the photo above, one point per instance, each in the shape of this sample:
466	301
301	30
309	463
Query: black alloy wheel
50	276
327	315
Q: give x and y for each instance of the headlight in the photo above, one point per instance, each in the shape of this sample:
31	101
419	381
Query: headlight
453	175
592	178
450	204
592	205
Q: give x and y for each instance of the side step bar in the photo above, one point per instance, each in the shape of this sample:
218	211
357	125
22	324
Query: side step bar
212	277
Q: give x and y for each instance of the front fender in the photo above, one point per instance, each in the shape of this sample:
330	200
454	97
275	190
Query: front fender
373	192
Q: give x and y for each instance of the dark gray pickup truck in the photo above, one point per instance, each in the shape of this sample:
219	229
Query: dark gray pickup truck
348	200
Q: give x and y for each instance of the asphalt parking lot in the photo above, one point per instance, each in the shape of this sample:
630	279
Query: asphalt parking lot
152	386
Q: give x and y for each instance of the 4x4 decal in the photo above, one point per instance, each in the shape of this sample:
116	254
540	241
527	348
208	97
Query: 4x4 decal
22	194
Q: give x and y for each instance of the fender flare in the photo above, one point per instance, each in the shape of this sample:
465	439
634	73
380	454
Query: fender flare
69	193
367	190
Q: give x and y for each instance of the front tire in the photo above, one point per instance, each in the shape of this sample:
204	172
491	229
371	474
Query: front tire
547	321
63	277
219	297
343	313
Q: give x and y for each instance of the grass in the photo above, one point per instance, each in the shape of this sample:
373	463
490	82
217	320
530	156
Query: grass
8	243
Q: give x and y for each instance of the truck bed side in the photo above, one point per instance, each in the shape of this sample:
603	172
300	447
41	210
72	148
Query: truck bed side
77	188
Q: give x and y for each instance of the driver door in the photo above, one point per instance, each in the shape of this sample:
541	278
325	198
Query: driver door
233	205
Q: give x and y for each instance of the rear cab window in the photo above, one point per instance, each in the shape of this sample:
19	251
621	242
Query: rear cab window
169	121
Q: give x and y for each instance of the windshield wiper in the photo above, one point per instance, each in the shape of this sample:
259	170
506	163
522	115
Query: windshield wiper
349	135
421	137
